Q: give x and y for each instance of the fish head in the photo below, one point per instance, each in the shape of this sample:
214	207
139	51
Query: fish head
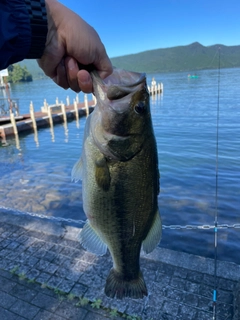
122	117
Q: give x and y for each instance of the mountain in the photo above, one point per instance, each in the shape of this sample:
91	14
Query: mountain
181	58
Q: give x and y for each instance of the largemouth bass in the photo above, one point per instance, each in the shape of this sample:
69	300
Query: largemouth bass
120	180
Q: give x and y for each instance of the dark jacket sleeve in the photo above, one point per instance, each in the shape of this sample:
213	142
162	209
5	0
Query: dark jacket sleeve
22	30
15	32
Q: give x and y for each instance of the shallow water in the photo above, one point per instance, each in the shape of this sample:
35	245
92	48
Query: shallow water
37	178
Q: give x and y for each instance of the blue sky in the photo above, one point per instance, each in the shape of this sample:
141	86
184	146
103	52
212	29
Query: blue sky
133	26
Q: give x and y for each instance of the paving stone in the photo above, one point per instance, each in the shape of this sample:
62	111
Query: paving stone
174	294
135	307
166	269
227	284
205	303
225	296
187	312
3	263
22	239
194	276
6	284
45	301
6	234
56	248
54	281
81	267
31	261
13	255
24	309
156	301
46	315
50	256
66	285
151	313
42	265
180	273
177	283
47	246
162	279
95	316
33	274
192	287
13	245
204	315
7	315
29	242
20	249
67	251
62	272
40	253
5	252
23	293
23	269
224	310
6	300
22	257
18	232
5	243
5	274
190	299
205	290
170	308
43	277
149	275
61	259
79	290
68	311
52	268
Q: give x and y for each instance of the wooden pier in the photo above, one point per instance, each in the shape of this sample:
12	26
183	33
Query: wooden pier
52	114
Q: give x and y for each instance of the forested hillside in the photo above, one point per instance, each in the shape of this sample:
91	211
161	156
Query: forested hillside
182	58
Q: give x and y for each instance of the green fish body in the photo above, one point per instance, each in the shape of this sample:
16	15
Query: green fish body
120	180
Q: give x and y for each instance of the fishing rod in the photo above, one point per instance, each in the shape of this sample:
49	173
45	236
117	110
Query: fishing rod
216	197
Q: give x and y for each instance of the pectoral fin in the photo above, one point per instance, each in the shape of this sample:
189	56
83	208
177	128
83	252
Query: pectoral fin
102	174
91	241
154	235
77	171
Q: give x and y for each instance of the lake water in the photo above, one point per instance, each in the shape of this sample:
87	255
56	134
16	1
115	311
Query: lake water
37	178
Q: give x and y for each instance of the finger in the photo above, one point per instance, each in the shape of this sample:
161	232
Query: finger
72	69
103	65
85	81
61	77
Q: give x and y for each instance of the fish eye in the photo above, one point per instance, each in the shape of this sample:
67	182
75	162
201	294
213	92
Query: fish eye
139	107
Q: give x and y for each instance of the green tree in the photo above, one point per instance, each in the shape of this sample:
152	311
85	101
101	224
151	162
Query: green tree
18	74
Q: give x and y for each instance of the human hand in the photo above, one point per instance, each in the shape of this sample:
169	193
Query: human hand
71	40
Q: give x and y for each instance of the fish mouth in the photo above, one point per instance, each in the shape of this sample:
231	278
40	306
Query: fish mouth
118	85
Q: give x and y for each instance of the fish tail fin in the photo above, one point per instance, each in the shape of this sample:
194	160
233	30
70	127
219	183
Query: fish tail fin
117	286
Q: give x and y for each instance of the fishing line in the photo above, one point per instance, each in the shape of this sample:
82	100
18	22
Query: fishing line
216	197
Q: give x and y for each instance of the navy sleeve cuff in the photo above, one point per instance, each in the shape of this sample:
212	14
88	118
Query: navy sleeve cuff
38	22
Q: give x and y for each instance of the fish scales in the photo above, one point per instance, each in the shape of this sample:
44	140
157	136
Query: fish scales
120	182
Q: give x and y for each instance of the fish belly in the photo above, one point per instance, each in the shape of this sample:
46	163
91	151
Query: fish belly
120	202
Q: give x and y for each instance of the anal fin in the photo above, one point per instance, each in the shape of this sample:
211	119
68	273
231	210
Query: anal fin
154	235
91	241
